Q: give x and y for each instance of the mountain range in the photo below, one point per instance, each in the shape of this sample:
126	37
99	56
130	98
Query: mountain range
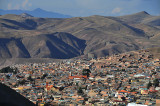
24	36
35	13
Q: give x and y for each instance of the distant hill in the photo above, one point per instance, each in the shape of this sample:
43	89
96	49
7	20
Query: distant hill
24	36
36	13
9	97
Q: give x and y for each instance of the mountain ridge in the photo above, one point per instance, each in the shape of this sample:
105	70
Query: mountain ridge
82	36
136	17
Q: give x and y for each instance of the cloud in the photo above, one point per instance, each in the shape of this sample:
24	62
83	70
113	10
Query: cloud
24	4
116	10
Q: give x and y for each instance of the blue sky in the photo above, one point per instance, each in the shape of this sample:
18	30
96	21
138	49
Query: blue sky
86	7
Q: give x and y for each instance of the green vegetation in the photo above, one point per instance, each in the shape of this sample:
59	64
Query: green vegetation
44	76
9	70
22	82
156	82
149	85
80	91
86	72
30	78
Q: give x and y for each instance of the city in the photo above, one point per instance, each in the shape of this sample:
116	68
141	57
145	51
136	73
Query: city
130	78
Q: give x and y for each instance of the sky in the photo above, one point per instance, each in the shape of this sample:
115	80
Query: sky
86	7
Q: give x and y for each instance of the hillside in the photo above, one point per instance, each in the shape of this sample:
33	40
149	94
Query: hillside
141	17
56	45
10	97
135	18
32	37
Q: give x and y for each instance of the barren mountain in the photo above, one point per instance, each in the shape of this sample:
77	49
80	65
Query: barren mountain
31	37
56	45
135	18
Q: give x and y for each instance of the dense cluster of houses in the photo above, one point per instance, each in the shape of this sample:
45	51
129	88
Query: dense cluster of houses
118	80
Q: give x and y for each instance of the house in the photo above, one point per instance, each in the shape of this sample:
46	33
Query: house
144	92
78	77
92	93
134	104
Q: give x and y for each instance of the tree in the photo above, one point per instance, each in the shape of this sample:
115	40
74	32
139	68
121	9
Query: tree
86	72
80	91
7	76
129	81
22	82
44	75
9	70
149	85
61	88
156	82
123	98
133	90
30	78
